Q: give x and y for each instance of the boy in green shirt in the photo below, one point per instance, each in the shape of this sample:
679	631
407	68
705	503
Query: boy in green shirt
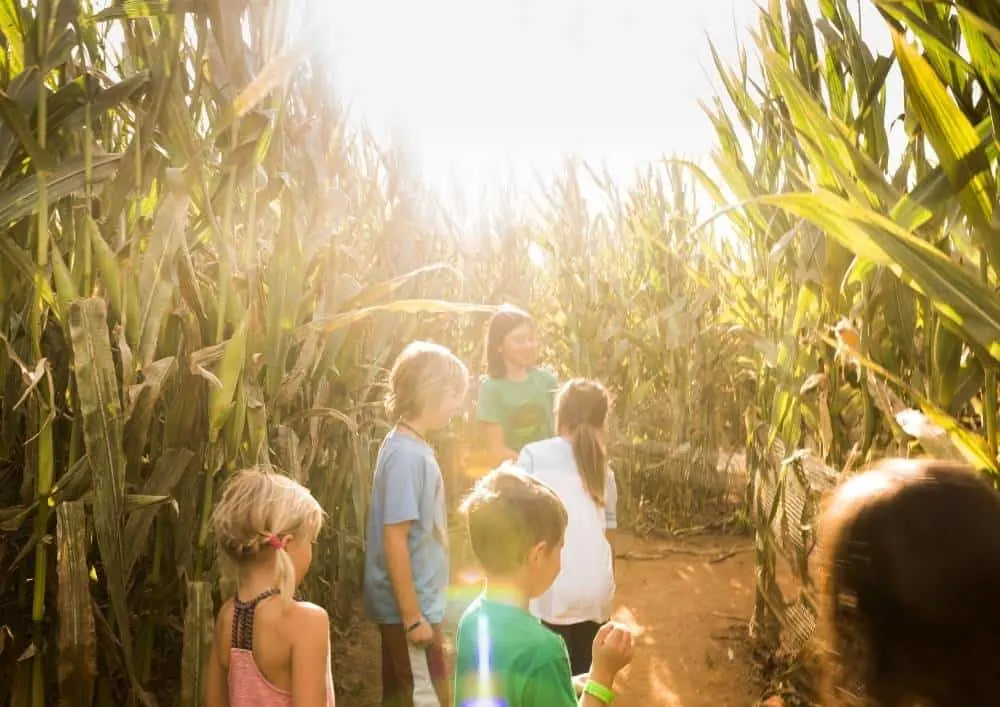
506	658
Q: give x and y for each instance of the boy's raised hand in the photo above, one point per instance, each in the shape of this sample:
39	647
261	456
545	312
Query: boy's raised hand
612	652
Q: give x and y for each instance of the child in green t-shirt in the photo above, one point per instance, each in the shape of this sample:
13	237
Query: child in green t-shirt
505	655
516	398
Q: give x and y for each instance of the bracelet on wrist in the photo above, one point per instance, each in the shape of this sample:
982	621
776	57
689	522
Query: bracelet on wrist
601	692
414	626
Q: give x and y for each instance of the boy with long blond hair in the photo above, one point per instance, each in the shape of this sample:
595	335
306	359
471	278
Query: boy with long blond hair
406	565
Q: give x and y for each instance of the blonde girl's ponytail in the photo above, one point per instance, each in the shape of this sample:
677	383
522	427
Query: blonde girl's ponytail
582	414
257	513
284	571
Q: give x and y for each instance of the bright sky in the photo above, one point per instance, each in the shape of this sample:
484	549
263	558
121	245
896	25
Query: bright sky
477	91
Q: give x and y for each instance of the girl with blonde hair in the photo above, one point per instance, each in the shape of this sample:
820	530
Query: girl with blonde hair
269	650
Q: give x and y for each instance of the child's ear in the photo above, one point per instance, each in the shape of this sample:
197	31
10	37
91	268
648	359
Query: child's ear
538	552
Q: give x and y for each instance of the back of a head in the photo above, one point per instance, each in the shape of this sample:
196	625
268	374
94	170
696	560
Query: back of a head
258	505
582	408
910	561
508	513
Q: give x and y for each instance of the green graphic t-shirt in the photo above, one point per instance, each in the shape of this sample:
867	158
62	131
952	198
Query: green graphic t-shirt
506	657
524	409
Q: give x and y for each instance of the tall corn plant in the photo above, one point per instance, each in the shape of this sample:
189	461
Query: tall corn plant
185	219
616	301
886	263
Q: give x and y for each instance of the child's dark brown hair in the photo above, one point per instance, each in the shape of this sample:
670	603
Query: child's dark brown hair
508	513
504	321
582	412
910	561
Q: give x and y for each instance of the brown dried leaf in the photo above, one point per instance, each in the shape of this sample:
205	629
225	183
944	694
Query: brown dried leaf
77	640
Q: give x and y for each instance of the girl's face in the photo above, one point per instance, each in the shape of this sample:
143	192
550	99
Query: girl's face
520	346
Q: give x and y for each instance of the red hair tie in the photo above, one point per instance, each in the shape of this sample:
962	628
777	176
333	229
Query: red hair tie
275	542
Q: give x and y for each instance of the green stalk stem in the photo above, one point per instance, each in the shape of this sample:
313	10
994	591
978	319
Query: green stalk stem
147	633
208	494
88	167
990	379
225	272
43	441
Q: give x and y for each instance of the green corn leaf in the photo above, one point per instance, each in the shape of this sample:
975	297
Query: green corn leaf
107	265
916	208
955	141
220	399
17	122
954	291
12	29
65	286
933	31
21	199
983	41
157	279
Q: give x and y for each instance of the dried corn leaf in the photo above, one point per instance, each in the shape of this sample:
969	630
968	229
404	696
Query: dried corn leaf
100	410
198	621
169	470
142	401
77	639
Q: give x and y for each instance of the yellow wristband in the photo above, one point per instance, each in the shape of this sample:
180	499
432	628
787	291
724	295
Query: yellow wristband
596	689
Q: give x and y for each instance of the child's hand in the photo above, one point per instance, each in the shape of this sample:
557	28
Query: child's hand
612	652
422	635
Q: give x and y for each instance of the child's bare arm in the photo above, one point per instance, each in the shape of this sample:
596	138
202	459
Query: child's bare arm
496	445
587	700
397	558
310	656
612	652
216	689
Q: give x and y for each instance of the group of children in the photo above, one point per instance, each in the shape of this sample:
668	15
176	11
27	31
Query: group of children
538	526
541	526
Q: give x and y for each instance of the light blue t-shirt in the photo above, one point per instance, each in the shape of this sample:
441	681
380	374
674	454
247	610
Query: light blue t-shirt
407	487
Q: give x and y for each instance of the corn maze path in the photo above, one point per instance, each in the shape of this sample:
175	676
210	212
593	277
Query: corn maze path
686	600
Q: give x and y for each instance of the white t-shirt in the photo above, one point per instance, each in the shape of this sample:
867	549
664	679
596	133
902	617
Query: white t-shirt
585	587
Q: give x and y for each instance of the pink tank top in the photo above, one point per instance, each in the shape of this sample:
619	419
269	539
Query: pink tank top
247	685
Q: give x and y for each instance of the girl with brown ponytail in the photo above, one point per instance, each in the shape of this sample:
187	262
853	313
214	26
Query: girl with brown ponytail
575	465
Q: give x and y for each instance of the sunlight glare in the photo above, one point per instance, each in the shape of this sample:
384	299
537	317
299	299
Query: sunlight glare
483	92
626	616
537	256
661	681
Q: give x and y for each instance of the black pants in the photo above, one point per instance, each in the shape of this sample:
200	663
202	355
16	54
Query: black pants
579	640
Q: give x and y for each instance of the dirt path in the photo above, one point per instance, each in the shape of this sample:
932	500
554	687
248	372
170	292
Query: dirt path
688	609
687	606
